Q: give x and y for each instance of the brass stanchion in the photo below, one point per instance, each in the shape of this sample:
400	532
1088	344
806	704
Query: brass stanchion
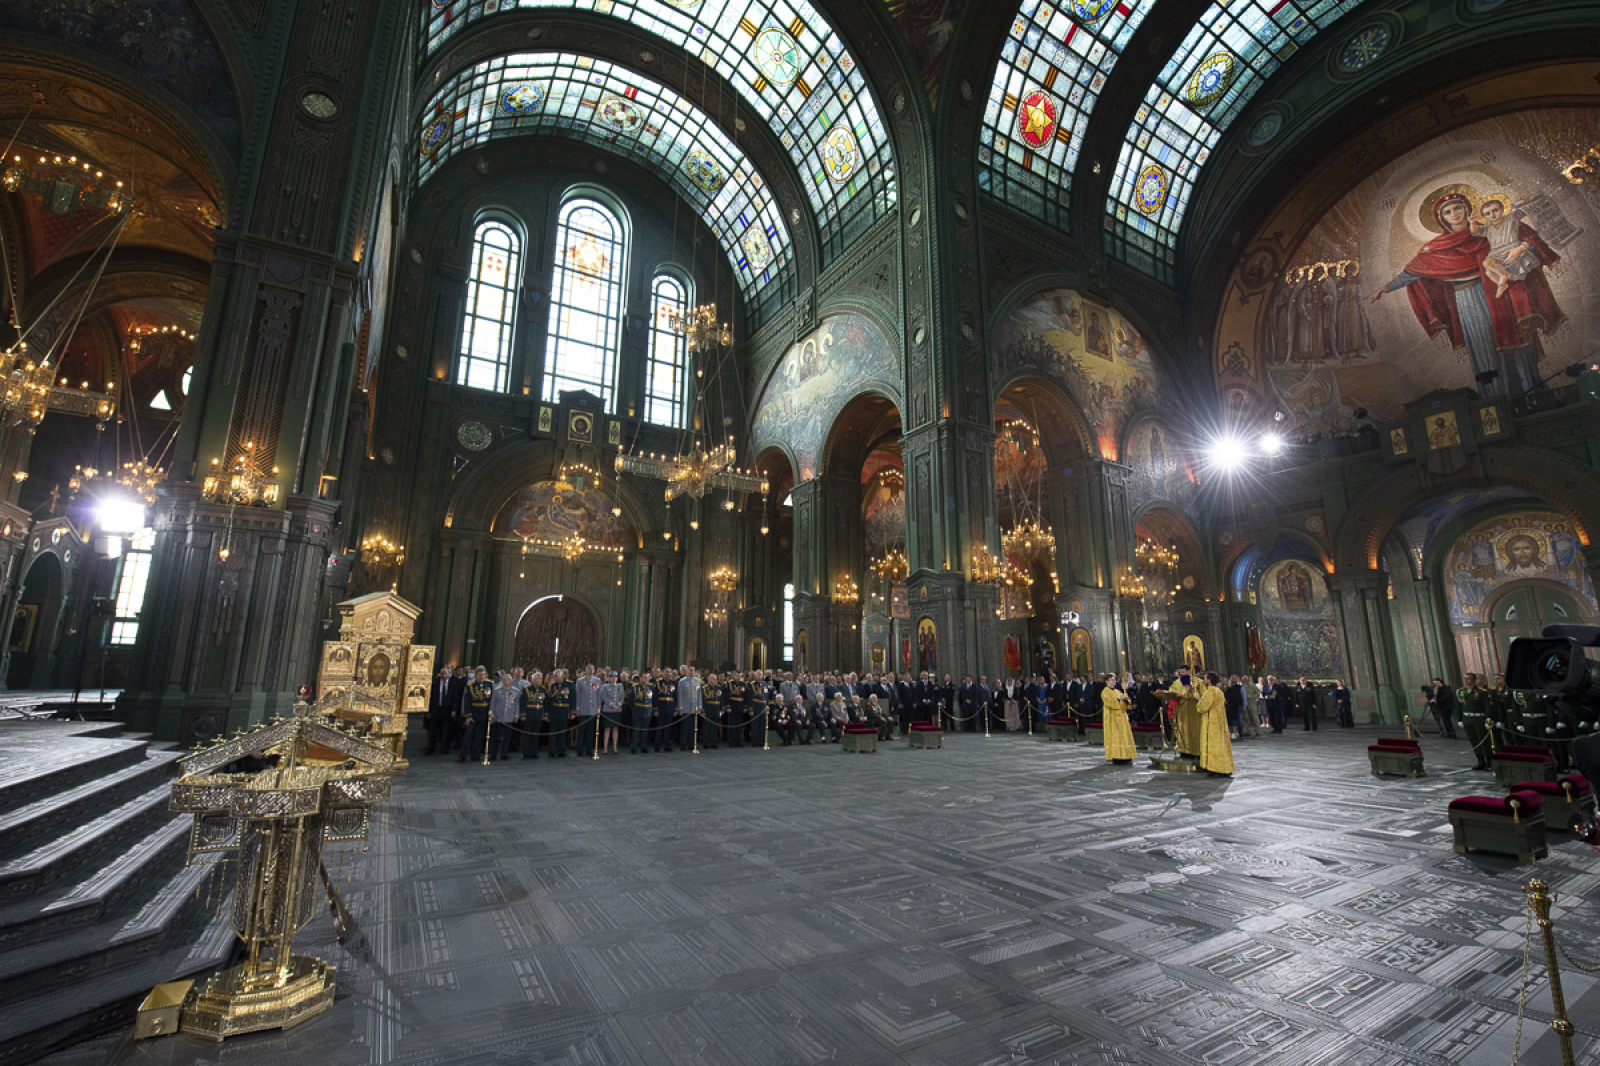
488	731
986	716
598	732
1539	899
697	717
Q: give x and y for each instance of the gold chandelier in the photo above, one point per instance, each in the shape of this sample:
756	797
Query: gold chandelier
845	590
985	571
892	566
1028	543
695	473
138	477
245	485
700	328
723	581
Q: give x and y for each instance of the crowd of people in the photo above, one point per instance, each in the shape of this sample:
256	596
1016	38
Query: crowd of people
601	710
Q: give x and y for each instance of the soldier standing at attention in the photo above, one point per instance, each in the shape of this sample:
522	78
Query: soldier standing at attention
690	706
1475	703
641	698
533	715
586	701
711	693
738	711
666	722
504	704
475	711
558	700
760	701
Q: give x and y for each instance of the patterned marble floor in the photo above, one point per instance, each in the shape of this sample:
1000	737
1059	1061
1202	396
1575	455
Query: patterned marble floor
1003	901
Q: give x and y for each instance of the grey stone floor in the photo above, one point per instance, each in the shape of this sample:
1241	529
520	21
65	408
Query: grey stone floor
1003	901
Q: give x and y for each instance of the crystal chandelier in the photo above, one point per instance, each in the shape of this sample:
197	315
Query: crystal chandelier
1028	543
138	477
845	590
381	551
984	569
892	566
723	581
700	328
695	473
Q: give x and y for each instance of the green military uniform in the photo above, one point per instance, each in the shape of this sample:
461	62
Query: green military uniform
641	701
1535	722
711	714
1474	710
666	711
532	720
738	705
760	696
476	700
559	705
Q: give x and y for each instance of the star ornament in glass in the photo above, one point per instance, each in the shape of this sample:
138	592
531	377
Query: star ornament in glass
1210	80
841	154
1150	191
777	56
1036	119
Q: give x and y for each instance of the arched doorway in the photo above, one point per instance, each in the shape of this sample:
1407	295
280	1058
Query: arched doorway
33	624
1523	609
557	631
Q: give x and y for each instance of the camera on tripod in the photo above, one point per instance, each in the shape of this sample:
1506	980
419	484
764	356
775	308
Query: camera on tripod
1554	669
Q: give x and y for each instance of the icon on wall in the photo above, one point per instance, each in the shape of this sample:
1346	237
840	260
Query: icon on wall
580	427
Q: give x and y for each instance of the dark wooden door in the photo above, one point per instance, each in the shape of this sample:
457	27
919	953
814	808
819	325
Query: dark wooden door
557	632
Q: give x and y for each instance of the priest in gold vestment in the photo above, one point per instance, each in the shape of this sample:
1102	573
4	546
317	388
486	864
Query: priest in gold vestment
1216	750
1114	721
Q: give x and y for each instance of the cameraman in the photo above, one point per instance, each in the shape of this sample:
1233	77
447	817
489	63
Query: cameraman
1443	705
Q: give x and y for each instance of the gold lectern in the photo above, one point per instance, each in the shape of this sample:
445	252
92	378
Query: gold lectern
1185	717
273	823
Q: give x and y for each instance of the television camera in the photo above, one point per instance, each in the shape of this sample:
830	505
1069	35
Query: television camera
1554	670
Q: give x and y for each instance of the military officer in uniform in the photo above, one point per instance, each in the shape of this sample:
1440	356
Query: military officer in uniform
532	720
641	702
1475	704
738	711
760	702
666	709
691	705
558	701
475	702
712	696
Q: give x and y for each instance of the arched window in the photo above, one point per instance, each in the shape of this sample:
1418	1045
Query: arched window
669	351
485	361
590	249
788	623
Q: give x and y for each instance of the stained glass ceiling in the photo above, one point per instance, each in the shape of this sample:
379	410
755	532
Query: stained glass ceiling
1225	58
595	101
791	69
1051	71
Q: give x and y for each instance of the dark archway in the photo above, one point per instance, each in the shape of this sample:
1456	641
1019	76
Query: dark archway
557	631
33	624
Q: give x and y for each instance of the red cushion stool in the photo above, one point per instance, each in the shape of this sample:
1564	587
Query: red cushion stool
1148	736
1094	732
924	735
1563	799
1513	825
1064	729
1392	756
859	740
1511	768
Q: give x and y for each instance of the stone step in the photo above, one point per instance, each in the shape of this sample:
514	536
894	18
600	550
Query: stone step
42	759
108	891
103	950
35	1027
54	814
60	857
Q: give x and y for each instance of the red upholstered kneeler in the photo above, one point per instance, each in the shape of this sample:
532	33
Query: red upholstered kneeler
1511	768
859	740
1094	732
925	735
1065	729
1510	826
1396	755
1562	799
1147	736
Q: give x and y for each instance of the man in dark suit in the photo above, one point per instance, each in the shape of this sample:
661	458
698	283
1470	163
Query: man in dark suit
905	702
1075	693
442	700
1276	698
947	705
1305	697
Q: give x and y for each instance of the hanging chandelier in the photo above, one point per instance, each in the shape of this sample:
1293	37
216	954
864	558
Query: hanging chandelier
892	566
138	477
700	329
845	590
245	485
1029	543
723	581
984	569
696	473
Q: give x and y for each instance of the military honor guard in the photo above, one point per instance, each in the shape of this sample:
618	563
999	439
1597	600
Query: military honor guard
1474	705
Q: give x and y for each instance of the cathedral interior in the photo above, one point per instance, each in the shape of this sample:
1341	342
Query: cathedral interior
981	339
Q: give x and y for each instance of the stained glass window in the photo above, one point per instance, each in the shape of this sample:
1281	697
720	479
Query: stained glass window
793	73
1051	70
669	350
491	314
587	309
1225	58
131	584
592	100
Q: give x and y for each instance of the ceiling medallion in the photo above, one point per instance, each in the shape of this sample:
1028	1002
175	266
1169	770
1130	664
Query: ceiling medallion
757	249
704	171
841	154
319	105
1092	10
1364	48
522	98
474	436
620	113
777	57
1150	190
1210	80
1036	119
1266	128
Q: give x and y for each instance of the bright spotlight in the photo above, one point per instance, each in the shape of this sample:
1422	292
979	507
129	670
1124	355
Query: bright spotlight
1227	453
120	515
1271	444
